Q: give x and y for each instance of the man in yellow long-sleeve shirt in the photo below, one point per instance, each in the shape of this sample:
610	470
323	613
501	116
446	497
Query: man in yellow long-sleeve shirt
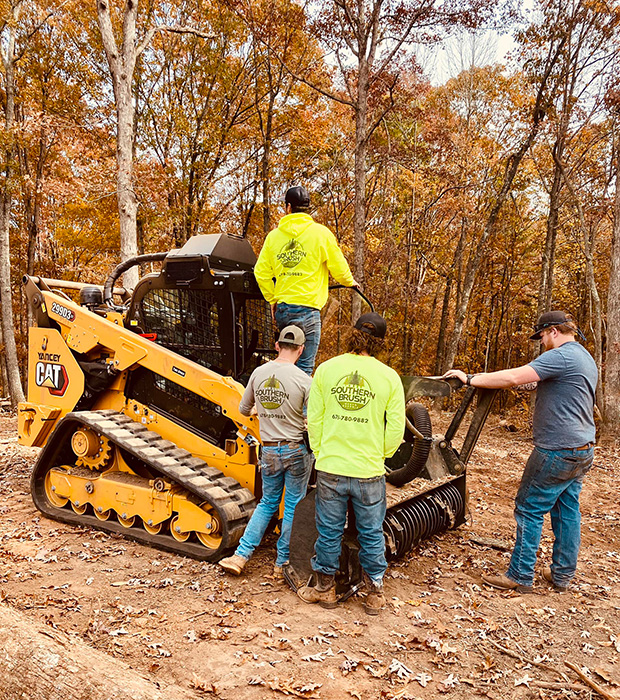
356	419
299	255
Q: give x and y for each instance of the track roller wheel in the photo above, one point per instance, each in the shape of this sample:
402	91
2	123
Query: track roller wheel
102	514
79	508
177	534
152	529
213	539
126	522
50	492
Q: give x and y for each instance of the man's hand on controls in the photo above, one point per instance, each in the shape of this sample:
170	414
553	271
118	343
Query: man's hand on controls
500	379
273	311
451	373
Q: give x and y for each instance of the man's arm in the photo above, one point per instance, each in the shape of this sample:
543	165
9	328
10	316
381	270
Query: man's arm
264	273
246	405
337	263
316	413
394	420
502	379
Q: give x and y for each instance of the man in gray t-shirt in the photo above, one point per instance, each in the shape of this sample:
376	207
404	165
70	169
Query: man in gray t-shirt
564	434
278	392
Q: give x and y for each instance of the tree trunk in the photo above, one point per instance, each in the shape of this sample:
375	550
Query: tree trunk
3	375
359	216
545	288
41	663
265	164
16	392
443	327
127	200
611	399
122	71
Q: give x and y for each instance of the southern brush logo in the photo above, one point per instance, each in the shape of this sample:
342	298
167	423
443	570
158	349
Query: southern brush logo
271	393
353	392
291	254
50	374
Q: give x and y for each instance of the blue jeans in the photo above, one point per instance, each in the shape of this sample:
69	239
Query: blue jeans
283	467
552	483
309	320
368	499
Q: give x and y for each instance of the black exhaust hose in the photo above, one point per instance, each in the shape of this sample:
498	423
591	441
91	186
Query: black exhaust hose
108	287
418	415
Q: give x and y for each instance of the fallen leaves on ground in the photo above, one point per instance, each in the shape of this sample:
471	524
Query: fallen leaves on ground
289	686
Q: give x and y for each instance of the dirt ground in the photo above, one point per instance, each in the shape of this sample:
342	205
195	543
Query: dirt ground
178	621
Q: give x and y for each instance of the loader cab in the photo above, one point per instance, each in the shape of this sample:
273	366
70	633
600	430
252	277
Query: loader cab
205	304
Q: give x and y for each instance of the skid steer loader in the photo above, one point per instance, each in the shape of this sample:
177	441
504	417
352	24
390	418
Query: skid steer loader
134	400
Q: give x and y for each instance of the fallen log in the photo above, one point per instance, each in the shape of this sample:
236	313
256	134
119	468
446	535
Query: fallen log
588	681
43	663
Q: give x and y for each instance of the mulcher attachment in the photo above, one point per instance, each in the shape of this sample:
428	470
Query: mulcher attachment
426	489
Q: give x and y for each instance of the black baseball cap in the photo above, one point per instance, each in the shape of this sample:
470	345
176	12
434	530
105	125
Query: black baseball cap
372	323
547	320
297	197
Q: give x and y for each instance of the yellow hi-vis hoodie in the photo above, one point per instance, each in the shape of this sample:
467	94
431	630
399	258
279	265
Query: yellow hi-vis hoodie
356	415
300	254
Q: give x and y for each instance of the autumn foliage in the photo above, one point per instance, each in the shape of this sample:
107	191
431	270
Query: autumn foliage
485	198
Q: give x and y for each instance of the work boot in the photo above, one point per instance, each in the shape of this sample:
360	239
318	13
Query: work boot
233	565
277	571
504	583
548	576
323	592
375	600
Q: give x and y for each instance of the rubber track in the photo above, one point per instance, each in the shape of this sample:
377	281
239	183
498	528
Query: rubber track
233	503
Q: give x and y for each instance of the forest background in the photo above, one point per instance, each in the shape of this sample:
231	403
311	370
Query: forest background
466	208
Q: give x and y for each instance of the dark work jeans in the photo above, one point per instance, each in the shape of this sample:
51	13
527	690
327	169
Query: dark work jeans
551	483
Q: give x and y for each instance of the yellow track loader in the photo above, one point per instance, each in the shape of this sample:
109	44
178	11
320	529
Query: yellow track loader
134	400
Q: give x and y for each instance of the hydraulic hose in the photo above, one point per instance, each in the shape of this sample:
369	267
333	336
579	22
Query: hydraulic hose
355	289
418	415
108	287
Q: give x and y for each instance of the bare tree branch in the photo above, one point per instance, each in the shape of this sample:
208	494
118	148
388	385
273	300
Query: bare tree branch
173	29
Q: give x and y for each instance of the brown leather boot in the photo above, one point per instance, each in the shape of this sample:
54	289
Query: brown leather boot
234	565
548	576
504	583
375	599
322	592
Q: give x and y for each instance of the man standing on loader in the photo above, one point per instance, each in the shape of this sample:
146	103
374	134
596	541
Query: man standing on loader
356	419
564	434
299	255
277	391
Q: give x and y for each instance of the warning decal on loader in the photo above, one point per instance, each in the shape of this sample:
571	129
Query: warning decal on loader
52	376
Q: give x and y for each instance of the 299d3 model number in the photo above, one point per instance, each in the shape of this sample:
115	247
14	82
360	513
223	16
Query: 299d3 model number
62	311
